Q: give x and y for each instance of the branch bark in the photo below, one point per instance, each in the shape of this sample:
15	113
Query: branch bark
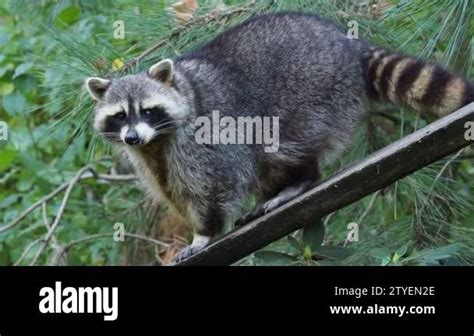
413	152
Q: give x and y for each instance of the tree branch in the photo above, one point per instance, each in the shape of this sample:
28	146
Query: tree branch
403	157
60	213
62	187
64	249
27	250
111	234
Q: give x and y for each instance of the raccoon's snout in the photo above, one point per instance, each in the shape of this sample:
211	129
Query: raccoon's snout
139	134
132	138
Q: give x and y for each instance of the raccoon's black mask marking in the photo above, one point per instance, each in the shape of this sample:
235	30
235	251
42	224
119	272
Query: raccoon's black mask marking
156	117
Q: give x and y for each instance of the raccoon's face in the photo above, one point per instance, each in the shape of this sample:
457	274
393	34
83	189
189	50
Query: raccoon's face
137	109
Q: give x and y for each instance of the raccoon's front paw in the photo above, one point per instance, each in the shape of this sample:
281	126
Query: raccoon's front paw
272	205
186	253
199	242
259	211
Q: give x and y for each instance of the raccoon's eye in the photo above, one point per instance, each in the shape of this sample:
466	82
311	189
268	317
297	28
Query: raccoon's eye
120	116
147	113
156	111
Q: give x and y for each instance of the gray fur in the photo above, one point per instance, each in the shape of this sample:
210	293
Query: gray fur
295	66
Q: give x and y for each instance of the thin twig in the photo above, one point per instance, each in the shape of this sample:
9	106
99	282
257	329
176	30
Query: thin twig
62	187
25	213
58	256
369	207
71	244
44	215
60	213
46	221
27	250
110	234
5	177
55	243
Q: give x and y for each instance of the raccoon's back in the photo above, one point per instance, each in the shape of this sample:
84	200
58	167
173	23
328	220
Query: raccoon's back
301	55
272	43
279	59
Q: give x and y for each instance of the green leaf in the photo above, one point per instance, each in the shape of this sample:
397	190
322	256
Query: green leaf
6	88
9	200
21	69
396	258
272	258
3	39
4	254
385	261
307	253
14	103
6	68
402	251
313	235
441	252
334	252
67	16
26	85
25	184
7	156
381	253
433	256
452	261
294	243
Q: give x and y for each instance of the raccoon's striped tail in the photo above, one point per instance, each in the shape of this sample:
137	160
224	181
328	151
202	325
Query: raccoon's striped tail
426	87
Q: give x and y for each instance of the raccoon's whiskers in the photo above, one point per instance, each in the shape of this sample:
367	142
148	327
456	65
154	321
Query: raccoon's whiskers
111	136
164	123
163	131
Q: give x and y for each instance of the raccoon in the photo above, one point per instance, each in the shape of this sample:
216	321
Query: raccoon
296	66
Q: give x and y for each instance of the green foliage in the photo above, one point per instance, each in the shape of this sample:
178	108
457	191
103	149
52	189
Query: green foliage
47	48
427	257
306	248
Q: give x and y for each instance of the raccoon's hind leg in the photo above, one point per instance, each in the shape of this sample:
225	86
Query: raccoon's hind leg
283	197
286	195
295	182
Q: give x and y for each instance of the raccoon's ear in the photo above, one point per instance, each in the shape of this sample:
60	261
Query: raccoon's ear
97	87
162	71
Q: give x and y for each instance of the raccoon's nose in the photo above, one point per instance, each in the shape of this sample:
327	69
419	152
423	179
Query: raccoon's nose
131	138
